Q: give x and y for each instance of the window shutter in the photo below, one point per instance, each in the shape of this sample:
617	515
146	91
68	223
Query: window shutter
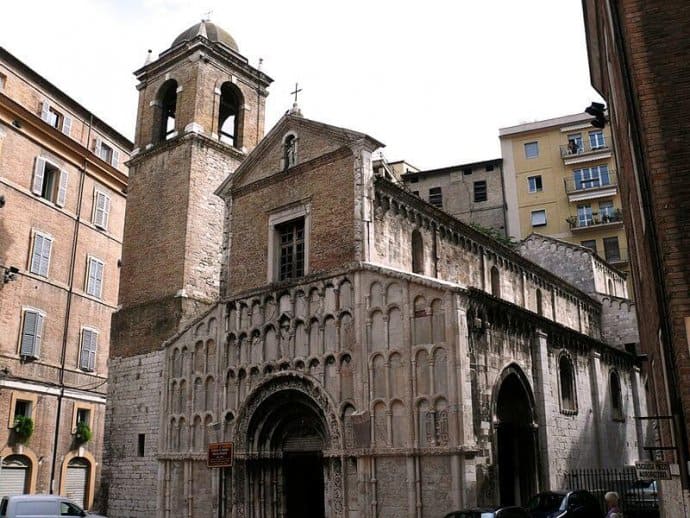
31	334
67	125
36	254
39	173
45	256
97	147
106	211
91	277
99	217
91	359
62	191
45	111
98	278
115	161
39	334
84	354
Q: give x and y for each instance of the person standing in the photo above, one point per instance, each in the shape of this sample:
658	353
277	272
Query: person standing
614	511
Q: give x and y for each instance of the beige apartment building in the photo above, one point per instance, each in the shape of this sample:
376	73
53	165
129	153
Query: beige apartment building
63	183
560	180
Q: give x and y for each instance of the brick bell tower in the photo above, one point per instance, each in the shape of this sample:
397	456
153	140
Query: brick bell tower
201	110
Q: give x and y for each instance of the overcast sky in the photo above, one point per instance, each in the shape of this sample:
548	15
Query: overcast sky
433	79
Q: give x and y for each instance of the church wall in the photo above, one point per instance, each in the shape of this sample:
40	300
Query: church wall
133	408
327	187
456	258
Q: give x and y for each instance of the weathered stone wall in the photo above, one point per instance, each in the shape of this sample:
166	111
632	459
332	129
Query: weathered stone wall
134	408
619	322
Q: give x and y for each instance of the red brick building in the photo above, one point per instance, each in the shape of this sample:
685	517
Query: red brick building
638	55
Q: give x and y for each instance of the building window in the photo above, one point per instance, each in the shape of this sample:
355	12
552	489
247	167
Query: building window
566	373
466	171
591	177
436	197
106	152
538	218
480	191
40	254
32	332
417	252
229	115
591	244
22	408
596	139
49	182
534	183
101	209
489	168
531	149
94	277
495	282
291	246
89	344
165	111
50	115
616	396
612	290
575	144
540	303
141	444
612	250
83	416
289	151
3	81
584	216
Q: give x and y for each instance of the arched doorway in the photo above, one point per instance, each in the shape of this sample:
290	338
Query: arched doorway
15	475
287	467
515	445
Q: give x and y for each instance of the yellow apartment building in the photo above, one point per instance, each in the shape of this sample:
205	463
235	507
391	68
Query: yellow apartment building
560	180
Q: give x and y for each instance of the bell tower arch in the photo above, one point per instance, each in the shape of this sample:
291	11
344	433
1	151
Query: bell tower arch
201	110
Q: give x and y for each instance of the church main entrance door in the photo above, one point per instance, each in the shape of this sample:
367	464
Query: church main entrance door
304	485
286	472
515	440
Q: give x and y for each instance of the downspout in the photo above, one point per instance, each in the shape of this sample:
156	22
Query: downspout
434	252
68	306
679	425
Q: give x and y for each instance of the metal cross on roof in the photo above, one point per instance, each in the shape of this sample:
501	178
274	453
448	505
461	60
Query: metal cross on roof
296	91
207	16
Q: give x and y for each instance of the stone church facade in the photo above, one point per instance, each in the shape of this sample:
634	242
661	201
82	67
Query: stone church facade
366	353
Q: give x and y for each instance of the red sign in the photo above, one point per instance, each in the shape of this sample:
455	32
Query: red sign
219	455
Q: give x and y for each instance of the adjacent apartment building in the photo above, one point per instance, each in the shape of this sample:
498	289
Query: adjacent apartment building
472	192
560	180
63	183
638	63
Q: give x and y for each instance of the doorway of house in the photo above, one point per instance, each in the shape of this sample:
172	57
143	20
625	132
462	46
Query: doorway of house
304	488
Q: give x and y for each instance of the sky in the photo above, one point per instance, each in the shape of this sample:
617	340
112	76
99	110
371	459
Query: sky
434	80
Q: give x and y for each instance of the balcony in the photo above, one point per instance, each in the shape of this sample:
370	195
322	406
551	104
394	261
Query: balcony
583	151
602	186
596	221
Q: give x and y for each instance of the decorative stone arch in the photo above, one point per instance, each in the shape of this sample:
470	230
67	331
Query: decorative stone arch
91	483
23	451
289	150
294	381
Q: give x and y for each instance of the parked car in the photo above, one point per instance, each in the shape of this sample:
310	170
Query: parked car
41	506
490	512
642	496
543	505
565	504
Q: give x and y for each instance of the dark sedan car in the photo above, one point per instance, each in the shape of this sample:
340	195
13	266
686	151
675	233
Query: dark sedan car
564	504
490	512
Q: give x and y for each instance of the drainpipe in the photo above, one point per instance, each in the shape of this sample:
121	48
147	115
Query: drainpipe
70	294
434	252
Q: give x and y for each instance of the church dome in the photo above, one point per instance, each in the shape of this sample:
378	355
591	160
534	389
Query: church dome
208	30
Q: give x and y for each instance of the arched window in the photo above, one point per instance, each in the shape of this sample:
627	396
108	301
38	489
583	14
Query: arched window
566	374
289	151
612	290
495	282
164	118
540	303
229	115
417	252
616	396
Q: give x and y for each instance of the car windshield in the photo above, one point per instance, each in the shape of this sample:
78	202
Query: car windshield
544	502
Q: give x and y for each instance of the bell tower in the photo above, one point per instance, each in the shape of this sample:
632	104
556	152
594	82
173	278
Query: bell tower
201	110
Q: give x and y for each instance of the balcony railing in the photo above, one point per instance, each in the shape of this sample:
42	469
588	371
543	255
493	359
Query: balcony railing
603	181
573	150
595	220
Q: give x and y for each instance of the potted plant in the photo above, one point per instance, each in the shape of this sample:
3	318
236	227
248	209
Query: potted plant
23	428
83	433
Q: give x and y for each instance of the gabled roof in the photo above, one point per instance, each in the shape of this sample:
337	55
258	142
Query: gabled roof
344	135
